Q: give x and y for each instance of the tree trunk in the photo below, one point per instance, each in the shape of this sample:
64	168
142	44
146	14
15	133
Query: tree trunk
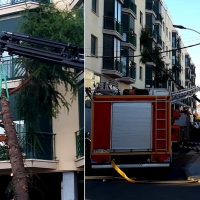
20	186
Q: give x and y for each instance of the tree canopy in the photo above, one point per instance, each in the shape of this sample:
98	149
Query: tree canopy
40	94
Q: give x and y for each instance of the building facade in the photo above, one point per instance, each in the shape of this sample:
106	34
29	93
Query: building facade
60	163
114	45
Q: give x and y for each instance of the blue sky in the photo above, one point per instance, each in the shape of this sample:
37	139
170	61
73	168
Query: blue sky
187	14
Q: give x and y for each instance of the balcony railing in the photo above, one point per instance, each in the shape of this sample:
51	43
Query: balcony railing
112	64
159	40
187	77
130	5
37	145
10	69
153	33
4	3
79	143
193	73
159	17
130	38
130	72
150	6
111	23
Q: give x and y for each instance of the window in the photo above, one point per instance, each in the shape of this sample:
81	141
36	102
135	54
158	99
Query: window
173	60
118	11
141	18
140	73
93	45
169	36
173	41
166	31
170	54
163	27
166	50
117	47
94	6
186	61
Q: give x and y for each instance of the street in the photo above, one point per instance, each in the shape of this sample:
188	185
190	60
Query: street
157	183
118	190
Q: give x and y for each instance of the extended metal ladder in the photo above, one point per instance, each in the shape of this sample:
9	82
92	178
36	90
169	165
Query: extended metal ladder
183	94
161	120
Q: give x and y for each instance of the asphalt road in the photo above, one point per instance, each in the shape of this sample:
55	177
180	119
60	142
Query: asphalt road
121	190
157	183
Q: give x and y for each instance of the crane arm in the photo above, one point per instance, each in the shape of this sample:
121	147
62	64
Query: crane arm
68	55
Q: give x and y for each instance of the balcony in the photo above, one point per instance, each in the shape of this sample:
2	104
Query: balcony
112	24
10	69
38	145
130	7
187	65
151	7
193	74
4	3
79	143
153	34
112	68
187	78
80	147
37	148
128	75
159	41
129	40
159	18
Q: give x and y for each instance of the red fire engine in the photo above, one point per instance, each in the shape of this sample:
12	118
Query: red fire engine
135	129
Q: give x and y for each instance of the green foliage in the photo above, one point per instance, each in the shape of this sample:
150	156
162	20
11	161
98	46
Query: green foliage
40	96
47	21
154	56
145	38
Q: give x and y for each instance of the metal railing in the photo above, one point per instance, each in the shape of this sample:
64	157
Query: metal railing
150	6
14	2
112	64
33	145
111	23
10	68
159	17
131	5
131	38
159	40
130	72
79	143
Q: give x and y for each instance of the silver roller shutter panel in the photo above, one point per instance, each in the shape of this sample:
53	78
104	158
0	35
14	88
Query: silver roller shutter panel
131	126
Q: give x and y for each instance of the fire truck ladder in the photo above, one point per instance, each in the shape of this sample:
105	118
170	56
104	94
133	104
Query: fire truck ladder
159	138
183	94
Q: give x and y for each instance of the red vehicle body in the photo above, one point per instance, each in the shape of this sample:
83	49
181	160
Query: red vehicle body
134	130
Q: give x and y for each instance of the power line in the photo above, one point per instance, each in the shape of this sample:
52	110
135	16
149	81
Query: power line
146	54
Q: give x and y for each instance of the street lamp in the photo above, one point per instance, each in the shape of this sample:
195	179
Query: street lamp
182	27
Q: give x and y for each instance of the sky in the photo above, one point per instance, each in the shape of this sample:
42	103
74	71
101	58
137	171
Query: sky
187	14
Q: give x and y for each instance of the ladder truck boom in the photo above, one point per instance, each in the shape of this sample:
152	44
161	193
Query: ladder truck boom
68	55
179	95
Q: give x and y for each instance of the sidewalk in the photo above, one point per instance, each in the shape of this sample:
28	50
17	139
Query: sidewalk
192	169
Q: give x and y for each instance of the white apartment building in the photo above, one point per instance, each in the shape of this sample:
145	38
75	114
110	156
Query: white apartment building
59	168
113	48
